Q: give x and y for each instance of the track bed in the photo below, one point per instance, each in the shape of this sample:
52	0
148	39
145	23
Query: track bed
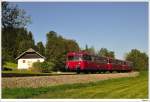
42	81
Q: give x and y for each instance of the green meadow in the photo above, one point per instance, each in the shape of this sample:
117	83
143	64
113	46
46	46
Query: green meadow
121	88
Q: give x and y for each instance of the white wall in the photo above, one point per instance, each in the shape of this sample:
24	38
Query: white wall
28	63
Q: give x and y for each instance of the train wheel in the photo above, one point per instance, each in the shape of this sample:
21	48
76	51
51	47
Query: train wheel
92	72
104	71
124	71
118	71
99	72
86	72
78	70
110	71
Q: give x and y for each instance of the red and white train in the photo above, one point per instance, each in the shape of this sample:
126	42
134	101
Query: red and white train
85	62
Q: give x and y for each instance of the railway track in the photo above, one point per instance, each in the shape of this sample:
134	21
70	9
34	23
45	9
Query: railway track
42	81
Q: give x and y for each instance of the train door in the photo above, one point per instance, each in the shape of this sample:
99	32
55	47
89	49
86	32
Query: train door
109	64
88	62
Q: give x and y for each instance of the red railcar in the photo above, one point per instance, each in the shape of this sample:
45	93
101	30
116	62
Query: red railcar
83	61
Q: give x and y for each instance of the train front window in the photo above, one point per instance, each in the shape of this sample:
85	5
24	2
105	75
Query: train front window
87	57
74	58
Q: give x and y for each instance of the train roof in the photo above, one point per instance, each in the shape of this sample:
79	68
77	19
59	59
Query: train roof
78	53
87	53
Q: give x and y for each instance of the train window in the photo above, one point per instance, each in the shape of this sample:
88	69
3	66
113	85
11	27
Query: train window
93	58
129	63
118	62
125	63
72	58
113	61
109	60
104	61
101	60
87	57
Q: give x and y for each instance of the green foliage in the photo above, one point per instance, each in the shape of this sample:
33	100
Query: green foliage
24	45
15	38
11	66
127	88
14	42
42	67
24	41
86	47
8	44
91	50
56	49
139	59
40	48
71	45
106	53
12	16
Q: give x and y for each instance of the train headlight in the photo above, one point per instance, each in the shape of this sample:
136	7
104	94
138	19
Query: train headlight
66	67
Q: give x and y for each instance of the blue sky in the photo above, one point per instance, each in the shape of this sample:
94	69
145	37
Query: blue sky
119	27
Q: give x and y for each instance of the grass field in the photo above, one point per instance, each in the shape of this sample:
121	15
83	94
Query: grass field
126	88
14	72
10	65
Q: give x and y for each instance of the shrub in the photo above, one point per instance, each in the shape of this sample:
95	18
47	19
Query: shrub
139	59
6	69
8	66
42	66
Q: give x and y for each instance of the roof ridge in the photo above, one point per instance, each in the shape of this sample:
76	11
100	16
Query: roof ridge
29	50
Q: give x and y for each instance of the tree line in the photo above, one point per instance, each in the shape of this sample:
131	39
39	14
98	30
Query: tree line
17	39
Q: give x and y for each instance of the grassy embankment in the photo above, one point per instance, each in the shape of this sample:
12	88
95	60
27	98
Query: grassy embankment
10	66
127	88
12	71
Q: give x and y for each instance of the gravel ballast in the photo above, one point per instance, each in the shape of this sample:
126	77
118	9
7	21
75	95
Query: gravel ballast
43	81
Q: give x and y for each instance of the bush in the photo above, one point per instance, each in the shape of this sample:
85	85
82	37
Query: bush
139	59
42	67
9	66
6	69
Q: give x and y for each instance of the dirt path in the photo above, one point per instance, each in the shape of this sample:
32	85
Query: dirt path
41	81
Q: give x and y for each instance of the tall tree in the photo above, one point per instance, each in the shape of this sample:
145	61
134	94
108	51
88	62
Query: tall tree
13	22
51	45
23	38
106	53
12	16
71	45
111	54
57	47
41	48
139	59
8	43
86	47
24	45
91	50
